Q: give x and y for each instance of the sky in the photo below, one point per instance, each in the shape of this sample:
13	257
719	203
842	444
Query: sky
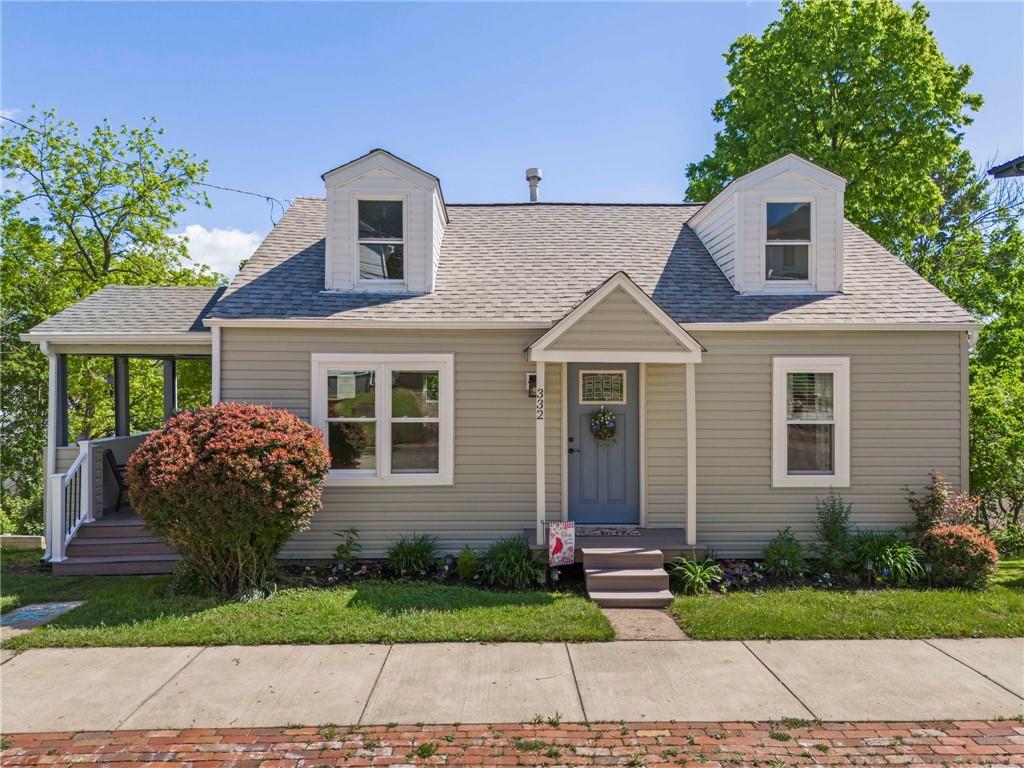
611	100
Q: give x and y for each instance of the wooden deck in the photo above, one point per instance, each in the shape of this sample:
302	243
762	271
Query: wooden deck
671	541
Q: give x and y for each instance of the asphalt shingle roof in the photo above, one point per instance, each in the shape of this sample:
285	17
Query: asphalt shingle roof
135	309
537	261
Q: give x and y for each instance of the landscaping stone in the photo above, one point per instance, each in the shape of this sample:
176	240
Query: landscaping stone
37	614
643	624
883	680
708	744
999	659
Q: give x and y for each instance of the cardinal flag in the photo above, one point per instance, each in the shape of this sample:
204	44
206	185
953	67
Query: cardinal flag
561	544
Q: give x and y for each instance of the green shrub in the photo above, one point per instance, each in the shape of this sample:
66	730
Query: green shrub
1010	541
345	553
511	565
962	555
694	577
227	485
893	559
411	556
467	565
21	515
833	528
783	556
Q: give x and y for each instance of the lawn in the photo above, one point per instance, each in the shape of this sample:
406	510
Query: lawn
811	613
136	610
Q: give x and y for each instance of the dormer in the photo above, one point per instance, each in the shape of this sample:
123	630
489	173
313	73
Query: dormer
778	229
385	222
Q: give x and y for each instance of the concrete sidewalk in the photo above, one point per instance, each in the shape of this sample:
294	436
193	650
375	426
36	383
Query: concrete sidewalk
261	686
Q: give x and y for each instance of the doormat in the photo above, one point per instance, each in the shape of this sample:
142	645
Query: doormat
29	616
598	530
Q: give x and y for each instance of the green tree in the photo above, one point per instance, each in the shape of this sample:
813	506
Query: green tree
77	213
997	440
859	88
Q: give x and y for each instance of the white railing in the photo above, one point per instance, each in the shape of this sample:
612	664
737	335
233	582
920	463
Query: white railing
70	502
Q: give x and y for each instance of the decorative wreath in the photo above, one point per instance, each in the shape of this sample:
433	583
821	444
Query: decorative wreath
602	424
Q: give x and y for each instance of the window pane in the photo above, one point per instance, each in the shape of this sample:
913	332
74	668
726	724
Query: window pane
809	396
414	394
789	221
810	449
351	393
786	262
380	219
380	261
414	448
602	387
352	444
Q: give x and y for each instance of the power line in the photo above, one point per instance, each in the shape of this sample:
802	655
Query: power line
270	199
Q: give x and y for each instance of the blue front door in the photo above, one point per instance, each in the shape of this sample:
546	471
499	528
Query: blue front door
604	484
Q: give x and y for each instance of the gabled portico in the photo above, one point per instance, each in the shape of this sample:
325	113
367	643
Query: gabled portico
602	348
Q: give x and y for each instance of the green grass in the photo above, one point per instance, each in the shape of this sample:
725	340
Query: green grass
135	610
810	613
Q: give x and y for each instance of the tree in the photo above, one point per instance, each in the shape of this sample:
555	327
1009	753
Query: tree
78	213
859	88
997	441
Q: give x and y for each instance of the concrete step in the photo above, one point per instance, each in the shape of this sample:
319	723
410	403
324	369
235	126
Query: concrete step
95	546
622	557
631	598
115	565
631	579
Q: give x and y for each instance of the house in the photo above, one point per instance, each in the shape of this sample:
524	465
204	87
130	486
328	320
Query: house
754	352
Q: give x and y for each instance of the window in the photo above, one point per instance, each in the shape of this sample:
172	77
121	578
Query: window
787	251
380	240
811	422
607	387
386	419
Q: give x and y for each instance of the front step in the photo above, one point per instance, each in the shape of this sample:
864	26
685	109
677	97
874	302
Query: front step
116	565
626	577
94	546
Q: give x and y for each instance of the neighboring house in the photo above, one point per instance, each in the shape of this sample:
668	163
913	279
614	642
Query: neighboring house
1009	169
755	351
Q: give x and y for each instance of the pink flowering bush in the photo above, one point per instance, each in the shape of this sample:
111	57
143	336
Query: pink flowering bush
963	555
227	485
942	504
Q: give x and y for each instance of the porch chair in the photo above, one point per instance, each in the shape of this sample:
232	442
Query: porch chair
117	470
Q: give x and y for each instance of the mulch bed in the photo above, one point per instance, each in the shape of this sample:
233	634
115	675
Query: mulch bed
769	745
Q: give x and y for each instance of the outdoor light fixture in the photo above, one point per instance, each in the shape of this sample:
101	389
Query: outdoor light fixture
928	570
531	384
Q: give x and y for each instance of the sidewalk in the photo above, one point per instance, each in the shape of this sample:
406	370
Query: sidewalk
101	689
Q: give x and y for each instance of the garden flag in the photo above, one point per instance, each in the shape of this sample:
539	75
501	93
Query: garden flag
561	544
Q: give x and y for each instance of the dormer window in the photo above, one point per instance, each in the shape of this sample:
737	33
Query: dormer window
787	250
381	240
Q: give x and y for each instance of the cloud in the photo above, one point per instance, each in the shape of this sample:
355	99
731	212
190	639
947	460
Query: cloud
10	112
220	249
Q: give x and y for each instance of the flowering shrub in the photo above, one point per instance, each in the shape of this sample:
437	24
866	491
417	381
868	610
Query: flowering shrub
227	485
962	555
942	505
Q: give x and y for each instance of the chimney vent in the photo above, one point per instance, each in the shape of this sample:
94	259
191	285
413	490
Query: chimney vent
533	176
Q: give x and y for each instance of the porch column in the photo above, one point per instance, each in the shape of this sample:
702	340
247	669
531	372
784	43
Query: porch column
122	425
541	501
170	387
691	454
60	416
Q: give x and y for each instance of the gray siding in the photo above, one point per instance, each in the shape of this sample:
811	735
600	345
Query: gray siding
905	419
618	322
665	431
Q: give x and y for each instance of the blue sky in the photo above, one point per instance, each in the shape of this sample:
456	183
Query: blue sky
611	100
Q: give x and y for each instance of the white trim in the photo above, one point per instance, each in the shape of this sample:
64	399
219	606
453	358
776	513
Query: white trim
788	286
788	325
839	367
341	323
383	365
642	433
215	383
379	284
197	338
565	441
51	452
541	498
691	455
618	280
625	387
597	356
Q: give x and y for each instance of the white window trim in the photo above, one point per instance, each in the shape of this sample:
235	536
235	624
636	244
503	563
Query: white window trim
373	284
620	371
788	286
384	365
839	367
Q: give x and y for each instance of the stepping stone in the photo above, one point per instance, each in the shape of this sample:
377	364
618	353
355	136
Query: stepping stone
643	624
29	616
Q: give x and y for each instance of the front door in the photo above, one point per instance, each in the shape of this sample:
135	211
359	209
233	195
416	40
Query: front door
604	484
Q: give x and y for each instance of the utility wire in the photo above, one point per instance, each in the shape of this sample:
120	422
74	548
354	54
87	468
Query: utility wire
272	201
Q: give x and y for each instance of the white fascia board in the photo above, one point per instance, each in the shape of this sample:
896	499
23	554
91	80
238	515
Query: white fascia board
762	325
618	280
363	325
195	338
605	356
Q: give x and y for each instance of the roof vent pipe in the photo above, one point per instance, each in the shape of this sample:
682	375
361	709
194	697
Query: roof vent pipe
533	176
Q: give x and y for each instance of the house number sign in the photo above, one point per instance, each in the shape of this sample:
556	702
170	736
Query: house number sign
540	403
